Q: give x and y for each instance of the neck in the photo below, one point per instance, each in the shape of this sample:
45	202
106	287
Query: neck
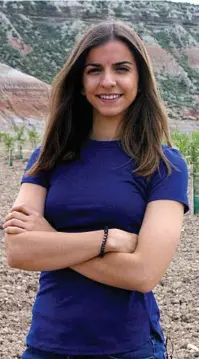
105	129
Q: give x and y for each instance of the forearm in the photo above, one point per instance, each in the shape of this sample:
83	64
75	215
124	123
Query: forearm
122	270
40	251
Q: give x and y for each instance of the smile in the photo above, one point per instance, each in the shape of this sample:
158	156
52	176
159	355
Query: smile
109	97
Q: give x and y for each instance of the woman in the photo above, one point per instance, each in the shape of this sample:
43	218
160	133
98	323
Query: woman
101	205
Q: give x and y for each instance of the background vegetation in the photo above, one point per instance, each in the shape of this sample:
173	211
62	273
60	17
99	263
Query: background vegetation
48	31
23	139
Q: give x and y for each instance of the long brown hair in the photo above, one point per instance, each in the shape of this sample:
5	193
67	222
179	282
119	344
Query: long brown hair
69	123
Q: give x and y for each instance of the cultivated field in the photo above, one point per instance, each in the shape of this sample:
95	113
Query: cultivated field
177	293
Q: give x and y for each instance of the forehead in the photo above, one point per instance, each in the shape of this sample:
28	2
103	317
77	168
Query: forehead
112	51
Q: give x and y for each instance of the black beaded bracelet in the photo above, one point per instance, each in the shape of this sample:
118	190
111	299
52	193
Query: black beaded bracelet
102	250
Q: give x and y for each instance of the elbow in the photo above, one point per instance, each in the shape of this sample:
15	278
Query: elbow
12	252
146	286
145	280
12	259
142	286
18	254
12	263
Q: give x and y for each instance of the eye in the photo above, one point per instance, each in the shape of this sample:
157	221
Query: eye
122	69
93	70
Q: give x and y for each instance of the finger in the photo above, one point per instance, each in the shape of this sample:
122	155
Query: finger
17	215
15	223
24	209
14	230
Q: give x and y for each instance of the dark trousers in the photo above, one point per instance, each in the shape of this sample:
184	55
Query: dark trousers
153	349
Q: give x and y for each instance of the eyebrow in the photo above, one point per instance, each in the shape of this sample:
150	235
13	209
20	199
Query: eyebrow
117	64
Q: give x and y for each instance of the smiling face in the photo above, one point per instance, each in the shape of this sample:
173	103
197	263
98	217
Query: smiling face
110	80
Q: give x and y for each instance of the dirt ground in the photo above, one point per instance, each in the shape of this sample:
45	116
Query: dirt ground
177	293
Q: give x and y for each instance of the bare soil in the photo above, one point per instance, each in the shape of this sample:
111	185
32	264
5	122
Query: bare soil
177	293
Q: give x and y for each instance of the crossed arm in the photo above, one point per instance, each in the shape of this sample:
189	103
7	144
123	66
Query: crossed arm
140	270
157	242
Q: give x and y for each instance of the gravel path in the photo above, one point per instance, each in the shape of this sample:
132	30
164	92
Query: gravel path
177	293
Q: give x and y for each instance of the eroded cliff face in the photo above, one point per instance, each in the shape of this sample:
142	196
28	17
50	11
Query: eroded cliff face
23	98
37	37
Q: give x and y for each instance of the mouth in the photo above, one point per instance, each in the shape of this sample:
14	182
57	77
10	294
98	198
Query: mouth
110	97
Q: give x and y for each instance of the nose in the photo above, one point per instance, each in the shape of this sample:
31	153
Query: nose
108	80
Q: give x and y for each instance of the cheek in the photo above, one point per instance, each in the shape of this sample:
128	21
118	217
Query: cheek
132	86
89	85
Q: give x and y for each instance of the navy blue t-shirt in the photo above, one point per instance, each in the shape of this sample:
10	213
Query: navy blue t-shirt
76	315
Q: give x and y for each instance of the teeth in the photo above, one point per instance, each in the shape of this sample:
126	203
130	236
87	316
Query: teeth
109	97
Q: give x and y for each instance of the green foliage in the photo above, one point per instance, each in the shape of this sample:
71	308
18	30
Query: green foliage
17	140
192	74
1	136
20	139
33	137
118	10
174	85
163	39
188	145
51	35
176	91
194	144
176	41
182	142
9	143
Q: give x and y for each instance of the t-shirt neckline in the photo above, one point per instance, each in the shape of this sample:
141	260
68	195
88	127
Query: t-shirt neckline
104	142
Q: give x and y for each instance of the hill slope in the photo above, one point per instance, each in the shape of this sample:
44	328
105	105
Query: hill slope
37	36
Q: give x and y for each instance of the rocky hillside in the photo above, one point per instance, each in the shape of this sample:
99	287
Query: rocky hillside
37	36
24	99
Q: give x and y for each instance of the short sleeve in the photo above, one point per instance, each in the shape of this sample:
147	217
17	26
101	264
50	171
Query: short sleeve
174	186
41	178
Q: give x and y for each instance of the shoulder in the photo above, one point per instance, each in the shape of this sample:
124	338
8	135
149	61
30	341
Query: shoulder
35	154
40	178
172	153
173	186
33	158
175	158
178	165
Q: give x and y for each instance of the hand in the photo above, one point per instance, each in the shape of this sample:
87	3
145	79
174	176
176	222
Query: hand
22	218
122	241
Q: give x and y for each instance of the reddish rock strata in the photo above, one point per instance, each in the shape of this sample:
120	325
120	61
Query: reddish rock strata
22	96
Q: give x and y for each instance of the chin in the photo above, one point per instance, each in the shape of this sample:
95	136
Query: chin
111	113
